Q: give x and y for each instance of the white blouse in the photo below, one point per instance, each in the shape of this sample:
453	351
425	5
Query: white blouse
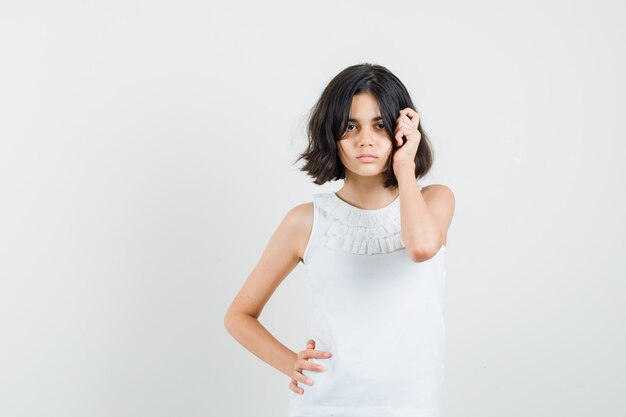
378	312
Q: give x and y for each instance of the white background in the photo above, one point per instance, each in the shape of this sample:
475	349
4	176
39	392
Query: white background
146	157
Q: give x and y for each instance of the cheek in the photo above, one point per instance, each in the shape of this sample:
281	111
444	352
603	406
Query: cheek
344	148
388	147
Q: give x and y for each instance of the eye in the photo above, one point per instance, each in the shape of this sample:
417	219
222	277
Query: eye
381	125
348	127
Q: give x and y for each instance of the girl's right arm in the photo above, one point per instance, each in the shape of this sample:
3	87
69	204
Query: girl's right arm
280	257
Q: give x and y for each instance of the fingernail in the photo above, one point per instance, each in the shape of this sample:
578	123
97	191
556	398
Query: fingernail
328	354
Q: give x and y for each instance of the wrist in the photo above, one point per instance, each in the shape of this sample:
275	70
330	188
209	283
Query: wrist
403	168
288	367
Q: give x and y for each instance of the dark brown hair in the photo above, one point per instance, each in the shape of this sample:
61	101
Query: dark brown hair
329	116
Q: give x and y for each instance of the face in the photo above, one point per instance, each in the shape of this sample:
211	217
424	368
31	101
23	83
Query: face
365	134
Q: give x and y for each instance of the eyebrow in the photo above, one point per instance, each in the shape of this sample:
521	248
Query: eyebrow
373	119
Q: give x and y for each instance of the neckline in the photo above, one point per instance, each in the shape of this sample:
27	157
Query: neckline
360	210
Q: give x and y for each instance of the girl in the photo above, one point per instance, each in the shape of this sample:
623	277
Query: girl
375	258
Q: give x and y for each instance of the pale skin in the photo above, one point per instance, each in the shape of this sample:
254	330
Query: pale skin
425	218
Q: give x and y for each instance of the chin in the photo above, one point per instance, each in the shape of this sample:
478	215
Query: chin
367	172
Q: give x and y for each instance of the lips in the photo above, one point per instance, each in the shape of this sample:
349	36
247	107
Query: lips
366	158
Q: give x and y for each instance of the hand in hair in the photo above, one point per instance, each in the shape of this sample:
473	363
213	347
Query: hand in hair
406	127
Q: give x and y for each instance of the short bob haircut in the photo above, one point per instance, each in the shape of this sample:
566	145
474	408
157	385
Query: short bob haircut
329	116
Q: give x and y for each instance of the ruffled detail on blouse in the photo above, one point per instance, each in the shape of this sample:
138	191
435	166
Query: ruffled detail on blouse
359	231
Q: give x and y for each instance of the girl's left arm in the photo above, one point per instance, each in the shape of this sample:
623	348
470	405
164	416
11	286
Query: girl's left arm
425	215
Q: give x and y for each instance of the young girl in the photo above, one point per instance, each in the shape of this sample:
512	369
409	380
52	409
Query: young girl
375	259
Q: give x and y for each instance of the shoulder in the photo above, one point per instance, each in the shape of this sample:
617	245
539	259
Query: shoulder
440	201
302	213
438	191
439	196
299	220
291	235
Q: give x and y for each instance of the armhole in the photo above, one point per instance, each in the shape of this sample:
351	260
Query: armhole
313	227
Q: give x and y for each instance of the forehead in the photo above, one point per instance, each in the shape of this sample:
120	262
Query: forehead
364	104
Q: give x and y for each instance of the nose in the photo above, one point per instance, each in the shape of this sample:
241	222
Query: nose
366	138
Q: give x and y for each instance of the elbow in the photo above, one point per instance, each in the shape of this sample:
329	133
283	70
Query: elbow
230	319
422	253
227	322
233	320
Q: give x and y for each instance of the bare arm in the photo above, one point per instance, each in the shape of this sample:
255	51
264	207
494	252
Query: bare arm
425	215
280	257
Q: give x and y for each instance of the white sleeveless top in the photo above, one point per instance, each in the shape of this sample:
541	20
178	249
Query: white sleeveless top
378	312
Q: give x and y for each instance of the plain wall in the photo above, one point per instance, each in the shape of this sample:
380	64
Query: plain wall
146	157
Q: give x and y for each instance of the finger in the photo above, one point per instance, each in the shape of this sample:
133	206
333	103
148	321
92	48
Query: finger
415	119
401	127
300	377
407	123
399	135
310	344
412	115
410	129
312	353
407	119
403	118
310	366
293	385
409	112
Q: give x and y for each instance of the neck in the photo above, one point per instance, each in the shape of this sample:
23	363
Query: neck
367	193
